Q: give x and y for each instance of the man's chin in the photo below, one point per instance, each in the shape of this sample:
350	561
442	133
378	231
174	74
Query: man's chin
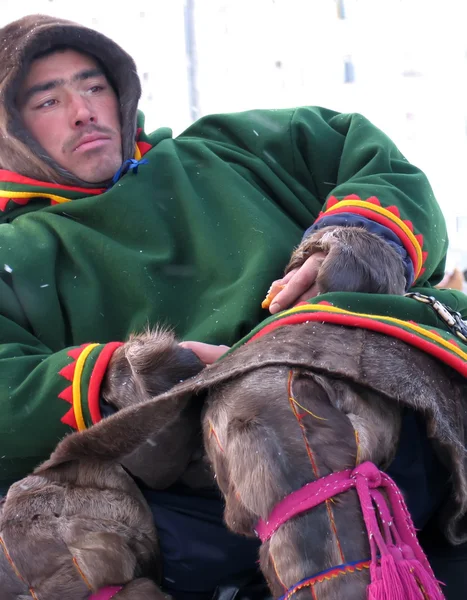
97	177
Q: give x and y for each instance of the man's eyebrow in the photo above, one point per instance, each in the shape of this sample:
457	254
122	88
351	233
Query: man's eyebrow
53	83
87	74
41	87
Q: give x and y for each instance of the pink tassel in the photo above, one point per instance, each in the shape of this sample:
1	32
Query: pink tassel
409	581
391	579
428	583
402	580
371	592
404	572
375	591
416	579
389	585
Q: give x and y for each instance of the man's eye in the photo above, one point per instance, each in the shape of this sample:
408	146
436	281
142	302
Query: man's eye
47	103
96	88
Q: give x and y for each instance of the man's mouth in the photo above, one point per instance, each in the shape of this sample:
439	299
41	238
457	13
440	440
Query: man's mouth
90	142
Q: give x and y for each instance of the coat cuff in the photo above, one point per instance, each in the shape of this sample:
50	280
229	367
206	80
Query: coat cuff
384	221
85	374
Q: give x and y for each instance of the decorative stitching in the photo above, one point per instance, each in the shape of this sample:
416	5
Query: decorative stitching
15	570
327	575
357	442
276	571
82	575
10	560
302	428
308	411
212	431
292	402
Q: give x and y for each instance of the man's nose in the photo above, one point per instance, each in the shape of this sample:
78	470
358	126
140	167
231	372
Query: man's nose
82	112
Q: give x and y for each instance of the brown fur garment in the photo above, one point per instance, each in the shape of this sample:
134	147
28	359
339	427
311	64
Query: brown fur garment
138	371
409	378
80	522
267	441
74	529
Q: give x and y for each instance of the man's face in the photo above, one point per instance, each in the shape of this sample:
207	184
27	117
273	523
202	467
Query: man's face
70	108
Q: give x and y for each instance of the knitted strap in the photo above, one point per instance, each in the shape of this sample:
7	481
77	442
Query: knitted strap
106	593
310	495
399	568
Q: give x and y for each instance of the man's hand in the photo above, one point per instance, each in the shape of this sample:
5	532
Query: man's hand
297	286
207	353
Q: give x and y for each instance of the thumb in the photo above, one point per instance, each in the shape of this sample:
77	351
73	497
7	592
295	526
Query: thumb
207	353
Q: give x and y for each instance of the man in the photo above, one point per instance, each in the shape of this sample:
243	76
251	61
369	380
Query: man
105	229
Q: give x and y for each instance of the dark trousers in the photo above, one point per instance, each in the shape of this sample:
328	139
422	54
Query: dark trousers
449	562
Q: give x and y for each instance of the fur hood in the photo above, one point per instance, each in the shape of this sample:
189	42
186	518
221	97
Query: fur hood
20	42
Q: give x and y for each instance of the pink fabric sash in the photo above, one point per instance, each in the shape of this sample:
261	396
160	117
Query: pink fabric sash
399	569
106	593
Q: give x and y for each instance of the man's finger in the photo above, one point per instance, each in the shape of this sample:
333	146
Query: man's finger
310	293
275	287
207	353
301	283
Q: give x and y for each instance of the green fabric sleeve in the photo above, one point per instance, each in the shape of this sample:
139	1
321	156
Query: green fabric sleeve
349	166
43	395
368	166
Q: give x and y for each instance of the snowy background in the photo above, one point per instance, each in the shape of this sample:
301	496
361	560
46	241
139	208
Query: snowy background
402	63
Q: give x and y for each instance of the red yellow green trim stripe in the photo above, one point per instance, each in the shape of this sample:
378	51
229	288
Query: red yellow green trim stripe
77	405
11	180
54	198
85	373
413	326
96	378
10	177
389	216
141	146
386	213
441	345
